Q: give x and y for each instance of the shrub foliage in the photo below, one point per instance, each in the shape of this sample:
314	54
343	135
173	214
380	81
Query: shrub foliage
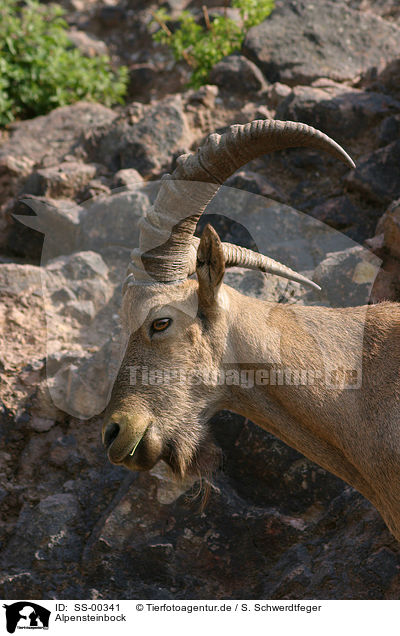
203	46
40	69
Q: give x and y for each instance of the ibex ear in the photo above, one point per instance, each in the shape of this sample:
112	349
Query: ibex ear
210	265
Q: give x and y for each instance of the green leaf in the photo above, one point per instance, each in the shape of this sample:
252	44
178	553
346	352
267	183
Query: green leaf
39	67
202	47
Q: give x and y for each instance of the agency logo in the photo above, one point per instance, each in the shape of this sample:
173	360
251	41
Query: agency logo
26	615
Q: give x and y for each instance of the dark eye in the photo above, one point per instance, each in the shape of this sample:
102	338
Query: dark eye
160	324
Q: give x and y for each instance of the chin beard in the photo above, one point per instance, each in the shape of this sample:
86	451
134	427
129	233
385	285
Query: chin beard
202	463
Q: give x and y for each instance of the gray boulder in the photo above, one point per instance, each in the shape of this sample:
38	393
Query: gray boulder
347	277
377	175
237	74
146	145
337	110
49	138
63	180
302	41
113	220
389	227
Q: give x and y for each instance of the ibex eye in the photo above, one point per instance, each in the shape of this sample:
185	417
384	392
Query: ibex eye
160	324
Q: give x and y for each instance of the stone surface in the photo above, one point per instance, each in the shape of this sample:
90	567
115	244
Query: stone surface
133	544
277	92
63	180
89	45
141	79
386	8
12	169
344	215
126	178
56	220
335	109
389	227
389	130
238	75
51	137
276	525
377	174
148	144
302	41
113	220
389	77
347	277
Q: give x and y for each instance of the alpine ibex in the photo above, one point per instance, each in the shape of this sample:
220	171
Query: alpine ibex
177	322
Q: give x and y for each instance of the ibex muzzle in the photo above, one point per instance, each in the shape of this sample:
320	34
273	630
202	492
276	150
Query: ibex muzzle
190	325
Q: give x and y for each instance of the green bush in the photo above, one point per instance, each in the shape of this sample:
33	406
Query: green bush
202	47
40	69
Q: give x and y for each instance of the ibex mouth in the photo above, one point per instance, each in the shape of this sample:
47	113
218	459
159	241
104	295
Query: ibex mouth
132	452
119	456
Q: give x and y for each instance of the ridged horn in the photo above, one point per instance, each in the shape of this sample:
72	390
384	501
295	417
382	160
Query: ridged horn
237	256
166	233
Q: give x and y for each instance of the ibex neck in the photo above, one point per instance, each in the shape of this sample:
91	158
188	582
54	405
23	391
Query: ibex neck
285	355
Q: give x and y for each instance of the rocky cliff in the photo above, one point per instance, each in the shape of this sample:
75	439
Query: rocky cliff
276	525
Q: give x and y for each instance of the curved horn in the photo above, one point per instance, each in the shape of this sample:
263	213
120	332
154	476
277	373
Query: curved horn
237	256
167	230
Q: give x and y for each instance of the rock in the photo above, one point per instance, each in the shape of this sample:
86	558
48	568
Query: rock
82	310
377	176
385	8
253	182
327	39
335	109
389	228
295	572
347	277
44	533
341	213
126	178
113	220
41	424
64	180
277	92
77	267
141	79
75	526
111	16
81	385
43	142
148	144
204	96
389	130
177	5
51	137
87	43
81	363
275	229
64	453
12	171
237	74
58	220
389	77
95	189
16	279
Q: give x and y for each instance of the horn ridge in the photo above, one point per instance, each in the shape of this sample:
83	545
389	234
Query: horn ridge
185	194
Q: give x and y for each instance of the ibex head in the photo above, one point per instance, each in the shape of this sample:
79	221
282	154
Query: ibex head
179	324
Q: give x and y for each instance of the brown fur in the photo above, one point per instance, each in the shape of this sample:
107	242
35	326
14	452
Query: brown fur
352	432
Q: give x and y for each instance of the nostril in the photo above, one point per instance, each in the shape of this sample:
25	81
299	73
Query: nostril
111	433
